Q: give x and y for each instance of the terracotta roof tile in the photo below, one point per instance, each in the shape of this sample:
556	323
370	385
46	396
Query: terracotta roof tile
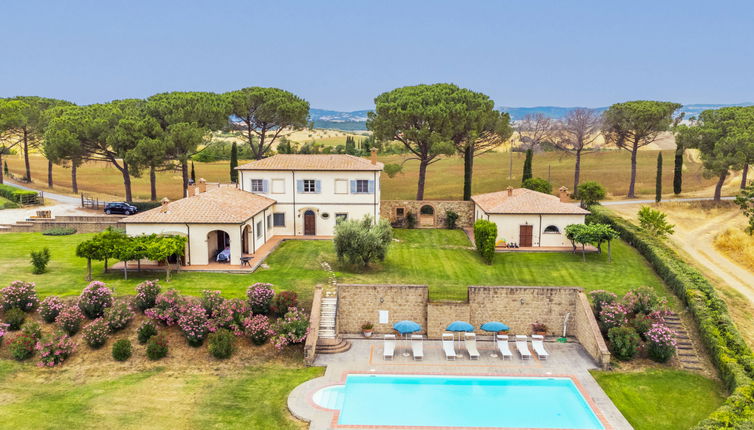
222	205
525	201
312	162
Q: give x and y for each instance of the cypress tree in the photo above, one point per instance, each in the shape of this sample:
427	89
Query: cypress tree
5	167
658	183
678	170
193	173
527	165
233	163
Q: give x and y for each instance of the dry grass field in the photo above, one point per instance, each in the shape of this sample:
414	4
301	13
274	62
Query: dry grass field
738	246
611	168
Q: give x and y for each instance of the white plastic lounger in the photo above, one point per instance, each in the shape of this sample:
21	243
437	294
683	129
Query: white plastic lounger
447	346
417	346
537	342
469	339
502	346
389	346
522	347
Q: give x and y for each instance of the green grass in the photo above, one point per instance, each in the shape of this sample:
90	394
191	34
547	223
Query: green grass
437	258
158	398
661	399
7	204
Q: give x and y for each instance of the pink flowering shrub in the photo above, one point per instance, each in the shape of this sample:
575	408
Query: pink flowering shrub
601	298
260	295
21	295
166	307
55	350
291	329
94	299
146	295
282	302
661	342
230	315
643	300
613	315
659	315
50	308
258	329
118	316
69	319
211	300
95	333
193	323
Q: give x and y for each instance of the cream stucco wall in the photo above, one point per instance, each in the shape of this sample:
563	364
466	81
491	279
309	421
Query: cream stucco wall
508	226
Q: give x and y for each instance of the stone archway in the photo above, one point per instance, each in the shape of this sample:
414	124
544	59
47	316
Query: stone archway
427	216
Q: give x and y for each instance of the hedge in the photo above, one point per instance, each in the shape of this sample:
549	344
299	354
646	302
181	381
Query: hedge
145	206
729	352
15	194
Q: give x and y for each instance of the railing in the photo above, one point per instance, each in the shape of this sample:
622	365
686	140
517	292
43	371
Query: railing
87	202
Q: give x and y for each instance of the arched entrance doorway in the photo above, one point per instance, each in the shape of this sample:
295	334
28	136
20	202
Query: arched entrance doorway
245	239
217	241
310	223
427	216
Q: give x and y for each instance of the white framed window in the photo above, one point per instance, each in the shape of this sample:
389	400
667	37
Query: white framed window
278	219
278	186
259	229
309	186
362	186
341	186
258	186
340	217
552	229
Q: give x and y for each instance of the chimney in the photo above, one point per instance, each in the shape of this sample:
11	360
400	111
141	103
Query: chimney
510	191
191	190
164	208
202	185
564	195
374	155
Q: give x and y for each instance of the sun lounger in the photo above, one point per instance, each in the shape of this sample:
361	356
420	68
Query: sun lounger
522	347
447	346
537	342
503	347
469	339
389	346
417	346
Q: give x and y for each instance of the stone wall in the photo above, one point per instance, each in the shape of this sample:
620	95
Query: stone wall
441	314
464	209
358	304
588	332
310	346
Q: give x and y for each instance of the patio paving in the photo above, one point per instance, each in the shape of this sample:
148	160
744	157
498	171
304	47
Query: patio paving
365	355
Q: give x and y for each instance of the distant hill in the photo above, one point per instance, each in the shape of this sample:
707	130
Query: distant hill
356	120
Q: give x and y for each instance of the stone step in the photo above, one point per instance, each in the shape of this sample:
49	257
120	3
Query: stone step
334	349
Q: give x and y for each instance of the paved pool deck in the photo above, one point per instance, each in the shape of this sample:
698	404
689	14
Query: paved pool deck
365	356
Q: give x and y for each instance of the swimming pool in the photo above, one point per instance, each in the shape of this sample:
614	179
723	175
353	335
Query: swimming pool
459	401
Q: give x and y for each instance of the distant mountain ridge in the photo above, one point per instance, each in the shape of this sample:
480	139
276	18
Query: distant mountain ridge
356	120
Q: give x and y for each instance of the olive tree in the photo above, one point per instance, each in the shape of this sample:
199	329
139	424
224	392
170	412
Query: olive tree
362	241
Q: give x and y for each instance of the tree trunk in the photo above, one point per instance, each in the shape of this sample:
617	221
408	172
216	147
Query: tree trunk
167	270
468	171
609	251
26	155
632	185
2	166
422	179
184	175
127	182
105	264
74	179
583	252
577	174
152	183
744	174
49	174
125	270
89	270
719	185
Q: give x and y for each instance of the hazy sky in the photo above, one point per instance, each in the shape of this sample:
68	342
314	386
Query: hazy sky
341	54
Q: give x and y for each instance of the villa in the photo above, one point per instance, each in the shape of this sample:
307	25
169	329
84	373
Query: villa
286	195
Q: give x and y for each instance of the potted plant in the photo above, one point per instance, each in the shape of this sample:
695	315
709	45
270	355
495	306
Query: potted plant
539	328
366	329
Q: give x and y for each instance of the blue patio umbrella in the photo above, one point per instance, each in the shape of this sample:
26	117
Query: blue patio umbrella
405	327
494	327
460	326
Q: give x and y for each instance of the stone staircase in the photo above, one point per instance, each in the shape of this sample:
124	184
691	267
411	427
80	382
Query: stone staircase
329	342
685	348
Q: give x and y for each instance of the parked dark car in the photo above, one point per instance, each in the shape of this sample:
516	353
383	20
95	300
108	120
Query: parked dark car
120	208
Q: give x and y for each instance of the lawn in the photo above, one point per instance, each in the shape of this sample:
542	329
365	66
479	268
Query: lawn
661	399
155	398
438	258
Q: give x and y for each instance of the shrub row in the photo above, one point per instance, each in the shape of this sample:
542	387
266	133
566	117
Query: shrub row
15	194
730	354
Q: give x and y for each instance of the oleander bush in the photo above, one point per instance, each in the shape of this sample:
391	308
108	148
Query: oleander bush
55	349
282	301
94	299
118	316
211	300
96	332
194	324
643	300
290	329
642	323
167	307
22	346
258	329
14	318
145	332
260	297
728	351
601	298
32	329
69	319
613	315
157	347
661	342
21	295
624	342
50	308
221	343
122	350
146	295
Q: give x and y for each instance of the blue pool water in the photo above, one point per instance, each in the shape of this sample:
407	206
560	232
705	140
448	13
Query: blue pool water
459	401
